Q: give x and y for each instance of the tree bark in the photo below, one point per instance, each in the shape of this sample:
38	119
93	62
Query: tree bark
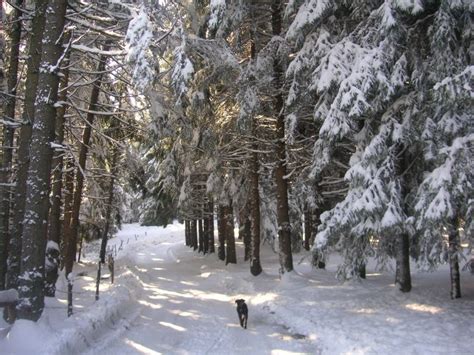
284	227
31	281
14	39
231	256
23	156
54	228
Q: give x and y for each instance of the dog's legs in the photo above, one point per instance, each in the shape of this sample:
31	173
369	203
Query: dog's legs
245	323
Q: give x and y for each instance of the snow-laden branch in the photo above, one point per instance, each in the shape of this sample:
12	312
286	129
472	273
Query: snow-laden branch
95	50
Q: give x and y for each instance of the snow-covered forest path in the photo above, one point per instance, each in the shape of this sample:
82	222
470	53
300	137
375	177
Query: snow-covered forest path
168	299
186	306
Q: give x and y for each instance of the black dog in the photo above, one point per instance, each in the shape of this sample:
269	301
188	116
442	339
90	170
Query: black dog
243	312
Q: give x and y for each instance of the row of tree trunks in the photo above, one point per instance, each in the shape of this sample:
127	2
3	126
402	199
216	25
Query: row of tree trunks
199	234
14	38
23	156
31	281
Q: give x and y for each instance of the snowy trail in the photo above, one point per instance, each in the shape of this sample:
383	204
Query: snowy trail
187	307
168	299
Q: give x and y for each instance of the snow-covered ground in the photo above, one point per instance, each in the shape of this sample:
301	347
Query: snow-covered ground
167	299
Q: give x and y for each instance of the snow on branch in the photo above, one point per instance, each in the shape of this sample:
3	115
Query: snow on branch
95	50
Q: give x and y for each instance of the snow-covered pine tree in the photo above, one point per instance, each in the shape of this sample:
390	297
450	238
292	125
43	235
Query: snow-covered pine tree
443	198
361	83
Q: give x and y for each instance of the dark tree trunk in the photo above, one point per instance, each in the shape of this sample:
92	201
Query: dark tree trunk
211	225
205	222
31	282
402	273
255	265
54	228
454	262
254	217
86	137
284	227
201	236
186	233
231	257
308	228
221	226
23	156
194	234
362	271
14	39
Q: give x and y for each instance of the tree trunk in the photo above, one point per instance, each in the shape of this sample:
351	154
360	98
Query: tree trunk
54	228
194	234
284	227
245	232
254	217
86	137
454	262
31	281
186	233
110	201
211	225
205	222
231	256
402	273
14	37
308	227
68	196
23	153
255	265
201	236
221	226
